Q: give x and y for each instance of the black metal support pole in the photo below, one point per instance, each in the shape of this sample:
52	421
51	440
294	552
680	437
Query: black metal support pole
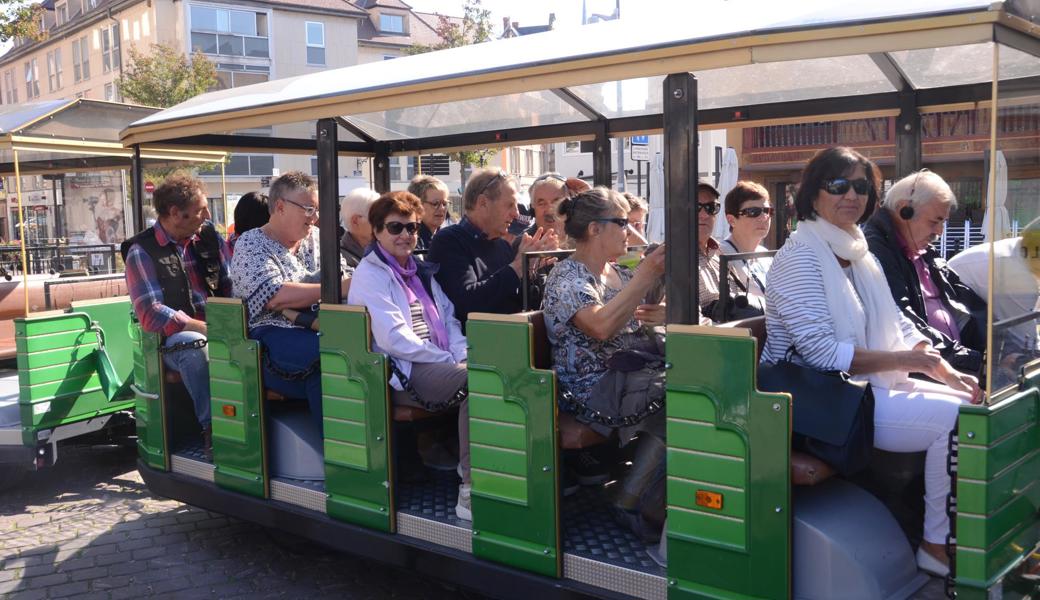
381	169
908	135
639	178
601	167
680	193
328	204
137	177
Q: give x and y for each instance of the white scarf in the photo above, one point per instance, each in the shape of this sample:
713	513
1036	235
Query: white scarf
863	309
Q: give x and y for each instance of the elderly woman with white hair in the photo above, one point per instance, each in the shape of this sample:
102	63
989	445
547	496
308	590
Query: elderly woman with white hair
947	312
353	211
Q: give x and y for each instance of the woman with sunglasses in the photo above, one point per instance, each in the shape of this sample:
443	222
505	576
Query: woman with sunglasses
606	354
828	301
413	322
749	214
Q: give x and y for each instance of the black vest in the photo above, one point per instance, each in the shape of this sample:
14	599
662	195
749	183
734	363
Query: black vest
170	270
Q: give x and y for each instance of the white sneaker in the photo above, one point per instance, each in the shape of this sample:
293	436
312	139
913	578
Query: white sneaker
462	509
929	564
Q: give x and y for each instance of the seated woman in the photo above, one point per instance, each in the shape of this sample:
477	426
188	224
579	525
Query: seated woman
276	267
413	322
250	212
608	358
749	214
828	299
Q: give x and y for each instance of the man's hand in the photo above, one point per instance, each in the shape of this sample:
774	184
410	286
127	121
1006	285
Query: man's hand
542	239
196	325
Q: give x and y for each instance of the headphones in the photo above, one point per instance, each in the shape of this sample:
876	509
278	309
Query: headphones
906	213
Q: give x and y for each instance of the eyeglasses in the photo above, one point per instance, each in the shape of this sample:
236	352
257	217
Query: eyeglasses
711	208
308	211
755	212
619	221
436	204
839	186
500	175
396	227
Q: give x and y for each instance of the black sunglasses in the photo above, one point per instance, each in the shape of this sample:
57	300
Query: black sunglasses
619	221
396	227
500	175
712	208
755	211
839	186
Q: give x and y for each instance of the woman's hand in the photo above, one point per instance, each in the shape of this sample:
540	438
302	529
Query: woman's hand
961	382
650	314
653	264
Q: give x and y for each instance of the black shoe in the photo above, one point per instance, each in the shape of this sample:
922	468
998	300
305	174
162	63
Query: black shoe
589	469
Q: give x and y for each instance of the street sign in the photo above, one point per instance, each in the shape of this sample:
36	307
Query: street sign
265	182
149	187
640	147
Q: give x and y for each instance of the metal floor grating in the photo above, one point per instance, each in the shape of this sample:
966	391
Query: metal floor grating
191	447
589	531
434	498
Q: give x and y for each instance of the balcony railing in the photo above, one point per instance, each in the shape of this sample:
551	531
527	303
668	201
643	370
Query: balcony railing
878	130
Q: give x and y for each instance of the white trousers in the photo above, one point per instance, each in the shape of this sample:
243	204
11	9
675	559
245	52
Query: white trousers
918	416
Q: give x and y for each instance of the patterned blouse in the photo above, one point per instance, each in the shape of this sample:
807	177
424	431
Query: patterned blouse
578	359
261	265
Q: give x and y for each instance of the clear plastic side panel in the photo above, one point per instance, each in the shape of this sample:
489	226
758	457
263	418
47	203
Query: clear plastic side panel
1012	224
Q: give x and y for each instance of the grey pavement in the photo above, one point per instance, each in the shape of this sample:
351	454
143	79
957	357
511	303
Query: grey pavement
88	529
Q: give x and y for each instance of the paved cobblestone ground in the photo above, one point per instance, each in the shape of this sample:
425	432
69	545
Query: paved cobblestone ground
89	529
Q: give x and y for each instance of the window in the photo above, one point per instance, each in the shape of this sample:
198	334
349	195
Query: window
391	23
112	93
32	79
572	148
9	86
232	75
315	43
54	82
80	59
110	55
248	165
61	13
514	160
389	56
229	32
314	166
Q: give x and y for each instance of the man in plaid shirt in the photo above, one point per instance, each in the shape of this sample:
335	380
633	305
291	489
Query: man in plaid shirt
171	269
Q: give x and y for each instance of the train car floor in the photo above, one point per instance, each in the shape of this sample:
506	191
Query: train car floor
191	447
589	531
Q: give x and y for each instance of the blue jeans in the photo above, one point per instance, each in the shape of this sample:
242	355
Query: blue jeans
193	365
291	350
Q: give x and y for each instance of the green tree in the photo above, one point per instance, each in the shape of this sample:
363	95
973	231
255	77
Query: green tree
474	28
19	18
165	76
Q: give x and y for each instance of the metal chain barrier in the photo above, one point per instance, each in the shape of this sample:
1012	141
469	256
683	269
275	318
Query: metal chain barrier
950	582
192	345
461	394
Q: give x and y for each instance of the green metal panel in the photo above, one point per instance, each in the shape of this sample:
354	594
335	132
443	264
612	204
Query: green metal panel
356	420
239	440
57	365
998	492
148	390
513	441
725	438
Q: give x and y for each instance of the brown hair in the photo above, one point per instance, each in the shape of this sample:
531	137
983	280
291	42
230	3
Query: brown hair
401	203
484	181
741	193
635	202
581	210
177	191
287	184
832	163
420	184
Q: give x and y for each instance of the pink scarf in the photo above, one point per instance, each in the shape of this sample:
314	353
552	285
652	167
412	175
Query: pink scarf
413	288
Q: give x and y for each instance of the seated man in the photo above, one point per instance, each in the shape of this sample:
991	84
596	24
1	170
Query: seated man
353	212
708	268
171	268
546	192
277	267
929	293
434	196
479	270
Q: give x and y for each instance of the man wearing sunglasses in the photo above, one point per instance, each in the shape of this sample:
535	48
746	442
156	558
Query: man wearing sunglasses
480	270
708	270
930	294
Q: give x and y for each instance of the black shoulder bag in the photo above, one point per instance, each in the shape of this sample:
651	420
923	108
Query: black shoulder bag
833	415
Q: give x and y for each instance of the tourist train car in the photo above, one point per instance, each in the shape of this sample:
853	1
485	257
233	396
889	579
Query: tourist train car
737	526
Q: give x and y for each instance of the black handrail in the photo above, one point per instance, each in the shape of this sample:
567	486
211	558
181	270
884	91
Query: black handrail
724	260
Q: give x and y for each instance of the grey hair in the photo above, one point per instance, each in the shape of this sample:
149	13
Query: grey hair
918	189
357	202
581	210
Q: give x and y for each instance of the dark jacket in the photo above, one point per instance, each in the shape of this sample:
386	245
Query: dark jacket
967	308
351	250
474	271
425	237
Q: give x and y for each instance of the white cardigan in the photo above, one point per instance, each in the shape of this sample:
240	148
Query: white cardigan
374	286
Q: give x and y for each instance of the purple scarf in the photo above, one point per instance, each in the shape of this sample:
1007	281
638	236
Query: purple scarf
413	288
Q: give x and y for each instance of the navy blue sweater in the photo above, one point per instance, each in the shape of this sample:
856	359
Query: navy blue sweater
474	271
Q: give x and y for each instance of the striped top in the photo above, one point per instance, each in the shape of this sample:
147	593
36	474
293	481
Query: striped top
797	313
419	326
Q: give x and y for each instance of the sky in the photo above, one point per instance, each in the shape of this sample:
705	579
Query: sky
527	12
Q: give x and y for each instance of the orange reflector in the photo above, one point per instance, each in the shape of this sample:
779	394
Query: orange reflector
709	499
229	411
